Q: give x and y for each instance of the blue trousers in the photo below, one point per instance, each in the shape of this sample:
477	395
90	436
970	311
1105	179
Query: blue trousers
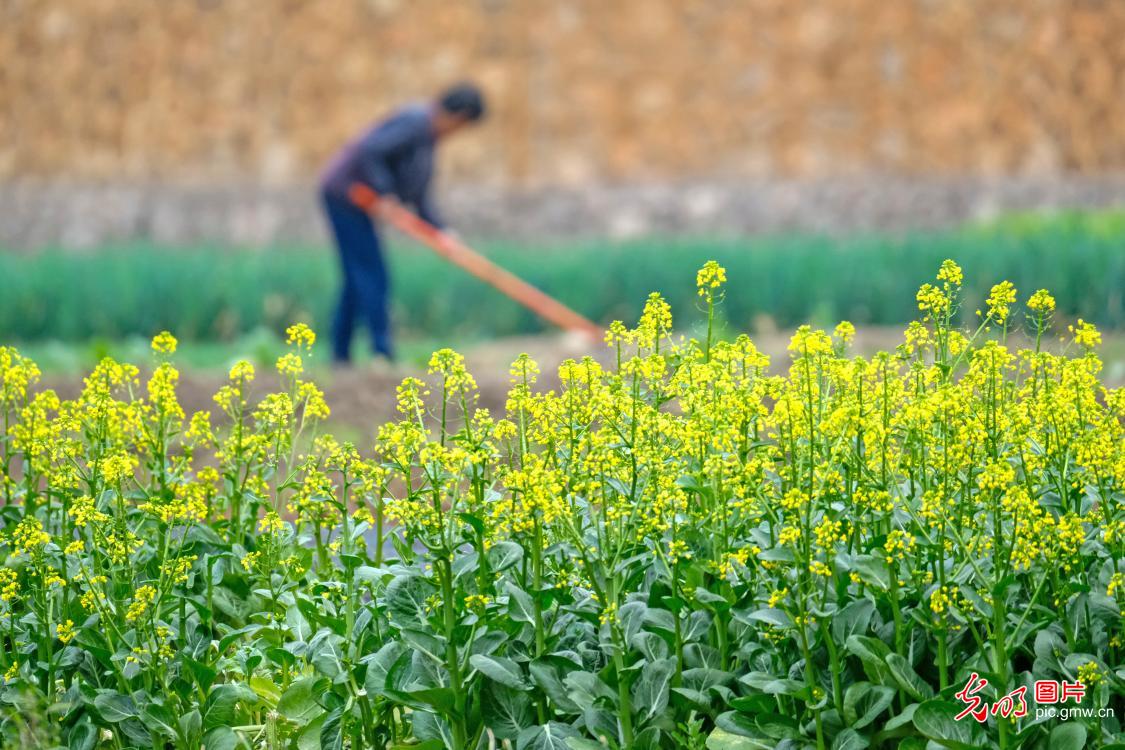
366	284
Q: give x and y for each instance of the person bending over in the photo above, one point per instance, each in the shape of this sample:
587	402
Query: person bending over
395	158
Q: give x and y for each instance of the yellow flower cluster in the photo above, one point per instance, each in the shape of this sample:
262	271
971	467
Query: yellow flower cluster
948	479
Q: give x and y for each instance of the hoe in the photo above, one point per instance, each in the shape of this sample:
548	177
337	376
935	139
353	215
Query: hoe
459	254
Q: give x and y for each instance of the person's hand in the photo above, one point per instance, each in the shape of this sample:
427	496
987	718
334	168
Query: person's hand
389	205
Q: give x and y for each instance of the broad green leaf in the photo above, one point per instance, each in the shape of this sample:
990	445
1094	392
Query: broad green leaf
298	702
872	653
546	677
720	739
424	643
581	743
873	571
159	719
853	619
221	738
332	731
405	599
650	692
326	652
222	704
505	711
379	666
934	719
115	707
901	719
521	608
502	670
191	727
549	736
1068	736
585	688
849	739
737	723
204	675
775	617
504	555
863	702
309	738
82	737
907	678
266	689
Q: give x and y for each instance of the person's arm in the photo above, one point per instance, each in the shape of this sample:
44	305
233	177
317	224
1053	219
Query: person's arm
427	211
384	142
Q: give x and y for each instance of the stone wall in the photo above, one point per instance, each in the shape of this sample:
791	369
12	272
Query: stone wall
212	91
81	216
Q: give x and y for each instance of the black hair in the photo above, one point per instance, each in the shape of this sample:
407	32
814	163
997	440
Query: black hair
463	99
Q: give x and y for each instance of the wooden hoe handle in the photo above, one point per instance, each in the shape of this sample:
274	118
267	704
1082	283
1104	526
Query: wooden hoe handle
460	254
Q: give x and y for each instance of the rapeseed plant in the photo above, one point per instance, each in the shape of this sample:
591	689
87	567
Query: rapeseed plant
684	548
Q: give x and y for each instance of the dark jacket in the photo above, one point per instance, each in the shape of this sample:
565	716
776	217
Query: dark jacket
394	157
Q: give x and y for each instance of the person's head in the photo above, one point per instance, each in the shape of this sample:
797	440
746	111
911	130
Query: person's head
458	106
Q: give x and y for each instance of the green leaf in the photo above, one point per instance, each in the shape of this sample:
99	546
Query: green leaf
191	727
82	737
650	692
711	601
853	619
114	706
504	671
504	555
720	739
581	743
424	643
873	571
476	524
849	739
235	635
220	738
546	677
222	705
520	606
585	688
326	653
934	719
505	711
901	719
1068	736
907	678
332	731
774	617
159	719
737	723
405	599
863	702
309	738
549	736
379	666
204	675
266	689
298	703
872	653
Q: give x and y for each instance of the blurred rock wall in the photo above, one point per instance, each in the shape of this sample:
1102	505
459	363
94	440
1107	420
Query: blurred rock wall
181	120
206	90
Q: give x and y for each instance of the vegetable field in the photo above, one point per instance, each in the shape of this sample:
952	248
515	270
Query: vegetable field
690	547
220	294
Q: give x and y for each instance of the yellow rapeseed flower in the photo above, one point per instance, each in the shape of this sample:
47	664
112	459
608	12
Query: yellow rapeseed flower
164	343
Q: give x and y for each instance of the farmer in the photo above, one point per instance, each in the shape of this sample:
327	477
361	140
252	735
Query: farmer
395	158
